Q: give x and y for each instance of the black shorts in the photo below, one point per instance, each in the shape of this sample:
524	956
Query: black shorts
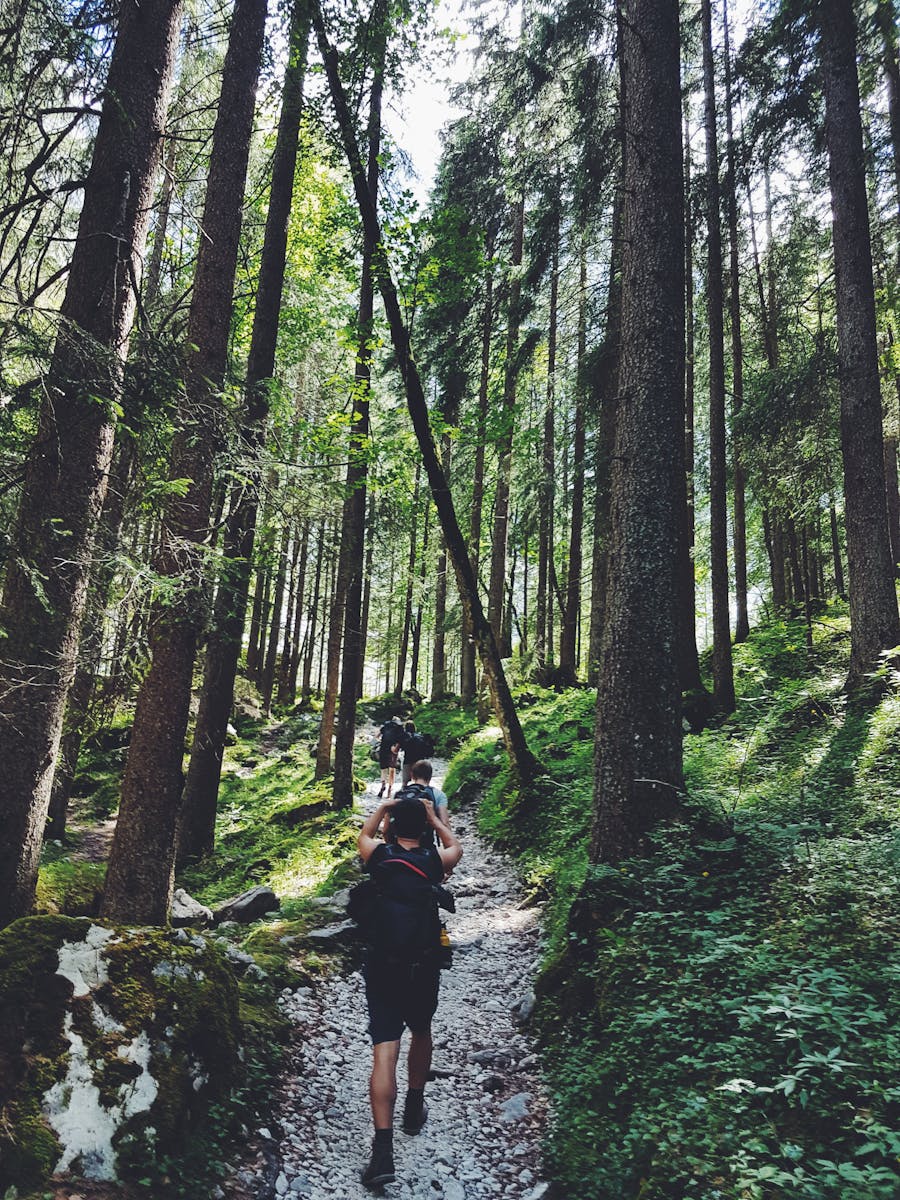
400	995
387	758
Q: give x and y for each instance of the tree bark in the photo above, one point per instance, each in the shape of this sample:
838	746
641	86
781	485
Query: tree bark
723	678
468	683
874	622
638	771
67	468
142	858
544	649
522	762
739	484
353	544
568	643
507	420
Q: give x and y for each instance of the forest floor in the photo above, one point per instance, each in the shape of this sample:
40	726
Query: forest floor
487	1112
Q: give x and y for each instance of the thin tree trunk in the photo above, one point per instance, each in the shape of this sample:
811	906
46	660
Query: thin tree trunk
367	593
723	679
306	685
267	684
68	464
739	516
638	764
223	652
893	498
141	870
522	762
836	559
353	544
407	602
874	622
507	423
544	603
468	683
568	644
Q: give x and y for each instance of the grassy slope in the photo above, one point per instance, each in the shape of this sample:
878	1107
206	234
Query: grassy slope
722	1017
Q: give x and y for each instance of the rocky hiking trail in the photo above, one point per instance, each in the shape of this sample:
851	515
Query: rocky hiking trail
486	1109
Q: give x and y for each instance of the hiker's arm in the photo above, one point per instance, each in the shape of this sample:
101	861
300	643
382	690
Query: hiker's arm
367	842
450	850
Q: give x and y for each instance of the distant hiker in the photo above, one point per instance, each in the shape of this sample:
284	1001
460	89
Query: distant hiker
415	746
391	737
403	970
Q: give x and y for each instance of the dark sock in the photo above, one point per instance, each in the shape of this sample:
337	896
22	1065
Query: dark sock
384	1138
414	1100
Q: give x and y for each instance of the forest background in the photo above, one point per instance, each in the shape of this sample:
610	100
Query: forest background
625	384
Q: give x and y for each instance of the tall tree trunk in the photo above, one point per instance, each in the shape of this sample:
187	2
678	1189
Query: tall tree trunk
568	643
886	21
892	486
81	693
292	621
407	601
688	657
638	765
739	515
154	264
467	683
306	684
606	387
267	682
142	858
523	763
439	649
543	656
367	593
836	552
417	620
223	651
723	678
353	544
874	622
507	419
67	468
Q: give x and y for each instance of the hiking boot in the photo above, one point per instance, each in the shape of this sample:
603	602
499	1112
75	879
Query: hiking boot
381	791
414	1119
380	1169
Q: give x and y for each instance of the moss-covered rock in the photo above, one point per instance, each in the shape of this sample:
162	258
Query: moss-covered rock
113	1043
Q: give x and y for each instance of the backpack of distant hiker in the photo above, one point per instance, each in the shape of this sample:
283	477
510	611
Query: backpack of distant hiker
390	734
375	748
418	746
397	907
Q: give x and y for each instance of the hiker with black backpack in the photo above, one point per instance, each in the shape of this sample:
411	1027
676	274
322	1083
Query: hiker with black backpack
391	737
420	787
403	969
415	746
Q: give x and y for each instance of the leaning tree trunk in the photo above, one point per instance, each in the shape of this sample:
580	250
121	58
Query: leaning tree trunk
723	676
67	468
142	860
638	763
522	761
874	623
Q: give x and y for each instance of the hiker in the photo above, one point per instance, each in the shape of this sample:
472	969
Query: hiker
402	973
391	734
415	746
420	787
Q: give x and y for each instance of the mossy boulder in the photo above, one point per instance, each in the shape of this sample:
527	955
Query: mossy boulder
113	1044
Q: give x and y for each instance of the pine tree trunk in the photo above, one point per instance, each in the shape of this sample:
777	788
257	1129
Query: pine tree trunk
522	762
723	679
836	559
543	656
353	544
140	877
306	685
468	682
407	601
367	593
223	652
638	771
874	622
887	24
337	595
67	467
568	642
267	682
606	386
507	422
688	657
893	498
739	514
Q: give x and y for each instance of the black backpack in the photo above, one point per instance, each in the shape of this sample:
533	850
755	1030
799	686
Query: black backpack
397	907
418	746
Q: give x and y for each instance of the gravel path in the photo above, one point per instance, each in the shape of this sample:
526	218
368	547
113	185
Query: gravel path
487	1114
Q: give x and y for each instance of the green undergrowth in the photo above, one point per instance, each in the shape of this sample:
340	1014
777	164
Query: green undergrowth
720	1017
